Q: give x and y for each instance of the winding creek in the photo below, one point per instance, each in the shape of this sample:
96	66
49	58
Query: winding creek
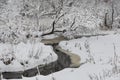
64	61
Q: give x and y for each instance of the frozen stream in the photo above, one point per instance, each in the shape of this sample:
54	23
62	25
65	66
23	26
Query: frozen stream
62	62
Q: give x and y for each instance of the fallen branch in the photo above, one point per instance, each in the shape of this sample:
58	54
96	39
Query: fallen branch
89	35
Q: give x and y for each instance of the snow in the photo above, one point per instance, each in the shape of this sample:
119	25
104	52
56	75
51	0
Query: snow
14	66
30	54
115	77
51	36
101	49
73	74
100	52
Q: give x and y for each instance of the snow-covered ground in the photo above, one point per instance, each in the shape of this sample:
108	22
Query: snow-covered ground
29	54
101	48
100	56
23	19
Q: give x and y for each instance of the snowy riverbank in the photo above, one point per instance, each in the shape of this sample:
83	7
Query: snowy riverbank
25	56
101	55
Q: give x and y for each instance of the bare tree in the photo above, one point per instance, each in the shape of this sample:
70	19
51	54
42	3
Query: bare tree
112	12
57	15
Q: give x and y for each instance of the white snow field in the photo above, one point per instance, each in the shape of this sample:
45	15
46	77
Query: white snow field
100	56
30	54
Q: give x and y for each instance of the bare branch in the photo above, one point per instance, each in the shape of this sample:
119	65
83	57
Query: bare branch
60	17
75	29
72	23
49	14
52	4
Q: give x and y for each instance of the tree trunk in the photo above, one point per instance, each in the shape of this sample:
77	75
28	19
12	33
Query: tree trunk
105	21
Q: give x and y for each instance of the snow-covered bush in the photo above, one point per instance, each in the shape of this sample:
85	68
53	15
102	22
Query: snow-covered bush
7	54
116	23
79	31
38	15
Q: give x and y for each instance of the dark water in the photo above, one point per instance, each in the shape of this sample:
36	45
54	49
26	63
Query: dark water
62	62
13	75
